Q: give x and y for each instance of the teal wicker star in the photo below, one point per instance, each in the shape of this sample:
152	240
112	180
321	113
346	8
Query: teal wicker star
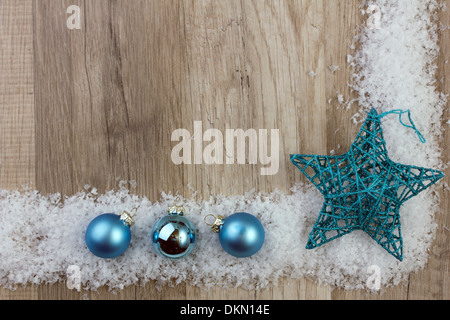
364	189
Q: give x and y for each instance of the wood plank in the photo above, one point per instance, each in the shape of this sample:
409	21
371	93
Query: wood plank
17	155
434	281
17	144
111	100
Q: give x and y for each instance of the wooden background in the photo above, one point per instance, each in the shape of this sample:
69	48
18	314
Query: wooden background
89	106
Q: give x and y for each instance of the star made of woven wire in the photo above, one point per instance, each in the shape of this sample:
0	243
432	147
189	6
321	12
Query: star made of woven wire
364	189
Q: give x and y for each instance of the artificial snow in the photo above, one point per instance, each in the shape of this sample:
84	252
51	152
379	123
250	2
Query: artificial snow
334	68
41	236
312	74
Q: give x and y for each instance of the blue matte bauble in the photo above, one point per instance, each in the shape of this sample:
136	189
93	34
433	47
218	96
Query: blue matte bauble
241	235
174	237
107	236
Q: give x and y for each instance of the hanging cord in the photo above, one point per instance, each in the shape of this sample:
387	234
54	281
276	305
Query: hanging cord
412	126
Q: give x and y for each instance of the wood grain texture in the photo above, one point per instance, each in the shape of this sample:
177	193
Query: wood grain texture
17	155
17	130
99	104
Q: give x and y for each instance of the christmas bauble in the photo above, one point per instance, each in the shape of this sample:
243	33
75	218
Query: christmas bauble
241	234
108	235
174	236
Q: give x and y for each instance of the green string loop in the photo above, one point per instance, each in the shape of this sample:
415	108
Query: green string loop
412	126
